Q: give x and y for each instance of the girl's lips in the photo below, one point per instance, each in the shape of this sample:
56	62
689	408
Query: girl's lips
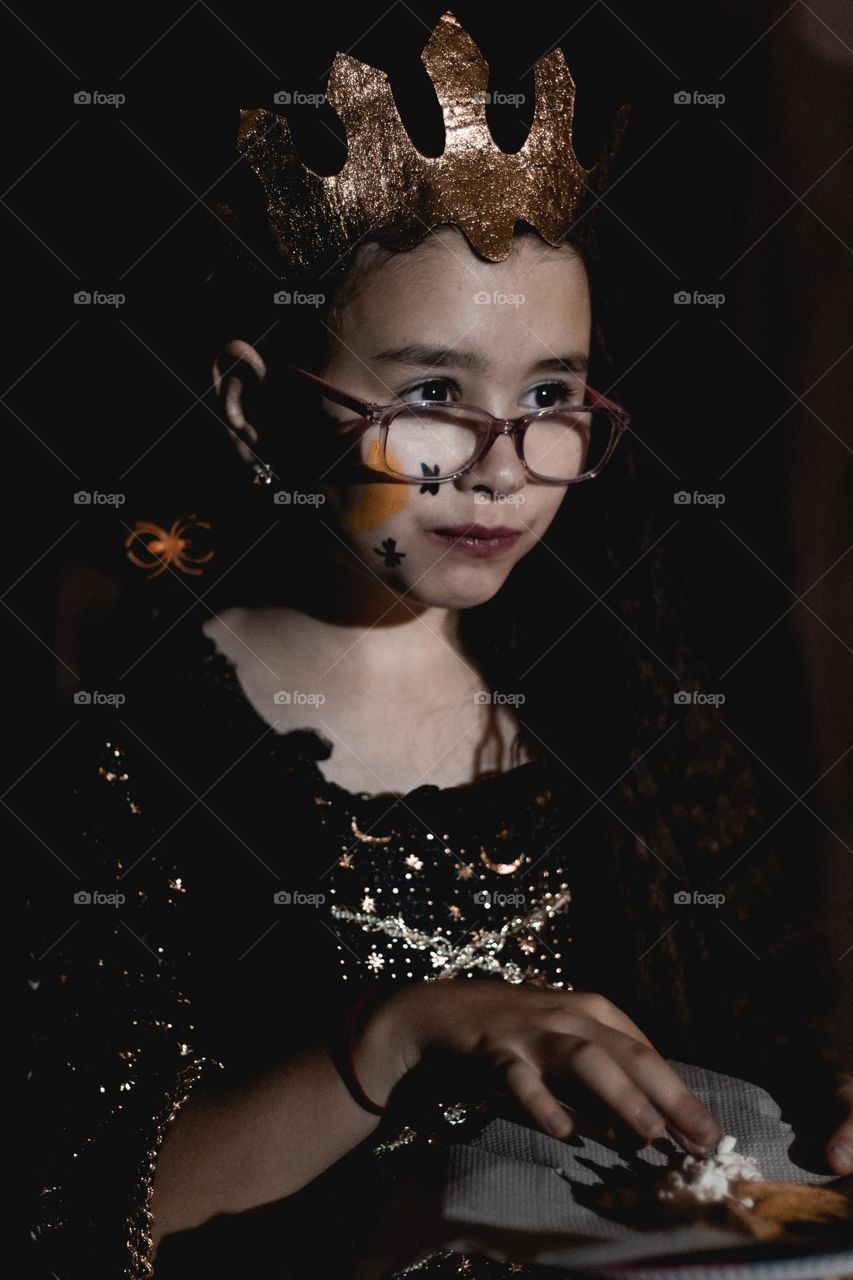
477	530
476	540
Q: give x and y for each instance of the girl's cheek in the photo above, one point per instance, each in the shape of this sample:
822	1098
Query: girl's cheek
370	505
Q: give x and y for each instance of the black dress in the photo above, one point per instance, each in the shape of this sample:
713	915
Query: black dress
212	906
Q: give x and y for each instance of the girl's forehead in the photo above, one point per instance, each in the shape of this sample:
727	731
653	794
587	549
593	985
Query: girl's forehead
447	245
448	285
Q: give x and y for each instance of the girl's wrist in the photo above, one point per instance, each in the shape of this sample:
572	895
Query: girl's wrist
381	1051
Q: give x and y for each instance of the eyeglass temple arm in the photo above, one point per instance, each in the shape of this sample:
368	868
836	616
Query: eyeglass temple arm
364	408
597	400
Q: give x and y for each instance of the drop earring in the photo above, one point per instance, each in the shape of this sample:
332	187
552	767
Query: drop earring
261	472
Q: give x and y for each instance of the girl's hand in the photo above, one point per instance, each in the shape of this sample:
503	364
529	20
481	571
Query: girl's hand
532	1036
839	1149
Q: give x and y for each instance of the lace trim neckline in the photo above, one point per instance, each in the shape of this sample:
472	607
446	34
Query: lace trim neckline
307	745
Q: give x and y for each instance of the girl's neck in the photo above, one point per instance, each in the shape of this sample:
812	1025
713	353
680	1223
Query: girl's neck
346	615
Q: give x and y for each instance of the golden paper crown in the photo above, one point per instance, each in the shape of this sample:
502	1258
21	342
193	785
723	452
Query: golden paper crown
389	191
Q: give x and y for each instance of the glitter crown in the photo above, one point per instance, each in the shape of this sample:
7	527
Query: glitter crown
389	191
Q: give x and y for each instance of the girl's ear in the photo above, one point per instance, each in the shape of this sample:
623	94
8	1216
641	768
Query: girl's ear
238	375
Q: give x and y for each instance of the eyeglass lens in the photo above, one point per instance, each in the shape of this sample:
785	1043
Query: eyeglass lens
562	444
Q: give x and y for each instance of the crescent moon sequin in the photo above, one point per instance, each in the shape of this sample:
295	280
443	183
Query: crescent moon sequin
361	835
500	868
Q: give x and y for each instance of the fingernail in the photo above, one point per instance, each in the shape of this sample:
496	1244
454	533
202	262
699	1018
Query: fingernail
841	1155
694	1145
556	1122
649	1119
704	1130
692	1148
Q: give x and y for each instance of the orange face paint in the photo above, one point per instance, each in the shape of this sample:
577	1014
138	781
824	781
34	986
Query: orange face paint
373	504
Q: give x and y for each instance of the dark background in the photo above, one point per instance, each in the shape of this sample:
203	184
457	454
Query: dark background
750	199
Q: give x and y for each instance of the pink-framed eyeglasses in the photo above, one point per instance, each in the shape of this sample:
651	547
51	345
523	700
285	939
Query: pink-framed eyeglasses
433	441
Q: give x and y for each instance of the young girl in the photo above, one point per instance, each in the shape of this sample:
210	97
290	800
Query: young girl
418	828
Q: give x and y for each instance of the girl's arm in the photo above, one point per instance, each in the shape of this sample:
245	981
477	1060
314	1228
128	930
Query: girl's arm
230	1152
268	1138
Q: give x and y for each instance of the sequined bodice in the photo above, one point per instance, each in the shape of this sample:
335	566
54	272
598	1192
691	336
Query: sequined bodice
439	882
413	900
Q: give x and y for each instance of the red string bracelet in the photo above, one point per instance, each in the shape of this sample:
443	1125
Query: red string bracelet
342	1050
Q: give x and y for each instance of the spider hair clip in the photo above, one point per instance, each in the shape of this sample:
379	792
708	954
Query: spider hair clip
165	547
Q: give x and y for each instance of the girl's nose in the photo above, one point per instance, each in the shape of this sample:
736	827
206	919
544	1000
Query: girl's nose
499	470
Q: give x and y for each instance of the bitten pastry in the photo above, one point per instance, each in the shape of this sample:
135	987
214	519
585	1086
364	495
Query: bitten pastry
726	1189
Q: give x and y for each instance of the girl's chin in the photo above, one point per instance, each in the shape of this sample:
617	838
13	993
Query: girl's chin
458	588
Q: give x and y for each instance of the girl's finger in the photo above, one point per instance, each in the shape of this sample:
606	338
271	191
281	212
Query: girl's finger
527	1085
682	1110
596	1068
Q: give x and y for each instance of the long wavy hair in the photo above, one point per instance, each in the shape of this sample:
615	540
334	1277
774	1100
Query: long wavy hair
594	628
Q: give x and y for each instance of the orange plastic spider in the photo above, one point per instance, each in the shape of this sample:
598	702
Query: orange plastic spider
167	547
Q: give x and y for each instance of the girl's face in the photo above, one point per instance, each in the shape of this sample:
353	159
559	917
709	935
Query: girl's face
437	323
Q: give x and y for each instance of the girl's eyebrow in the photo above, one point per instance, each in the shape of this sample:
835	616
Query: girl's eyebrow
574	362
434	357
448	357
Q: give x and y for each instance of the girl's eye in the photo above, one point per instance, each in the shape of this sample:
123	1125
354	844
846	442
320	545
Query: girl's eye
549	394
436	389
545	396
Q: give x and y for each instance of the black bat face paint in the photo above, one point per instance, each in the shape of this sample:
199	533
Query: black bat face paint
390	552
429	471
